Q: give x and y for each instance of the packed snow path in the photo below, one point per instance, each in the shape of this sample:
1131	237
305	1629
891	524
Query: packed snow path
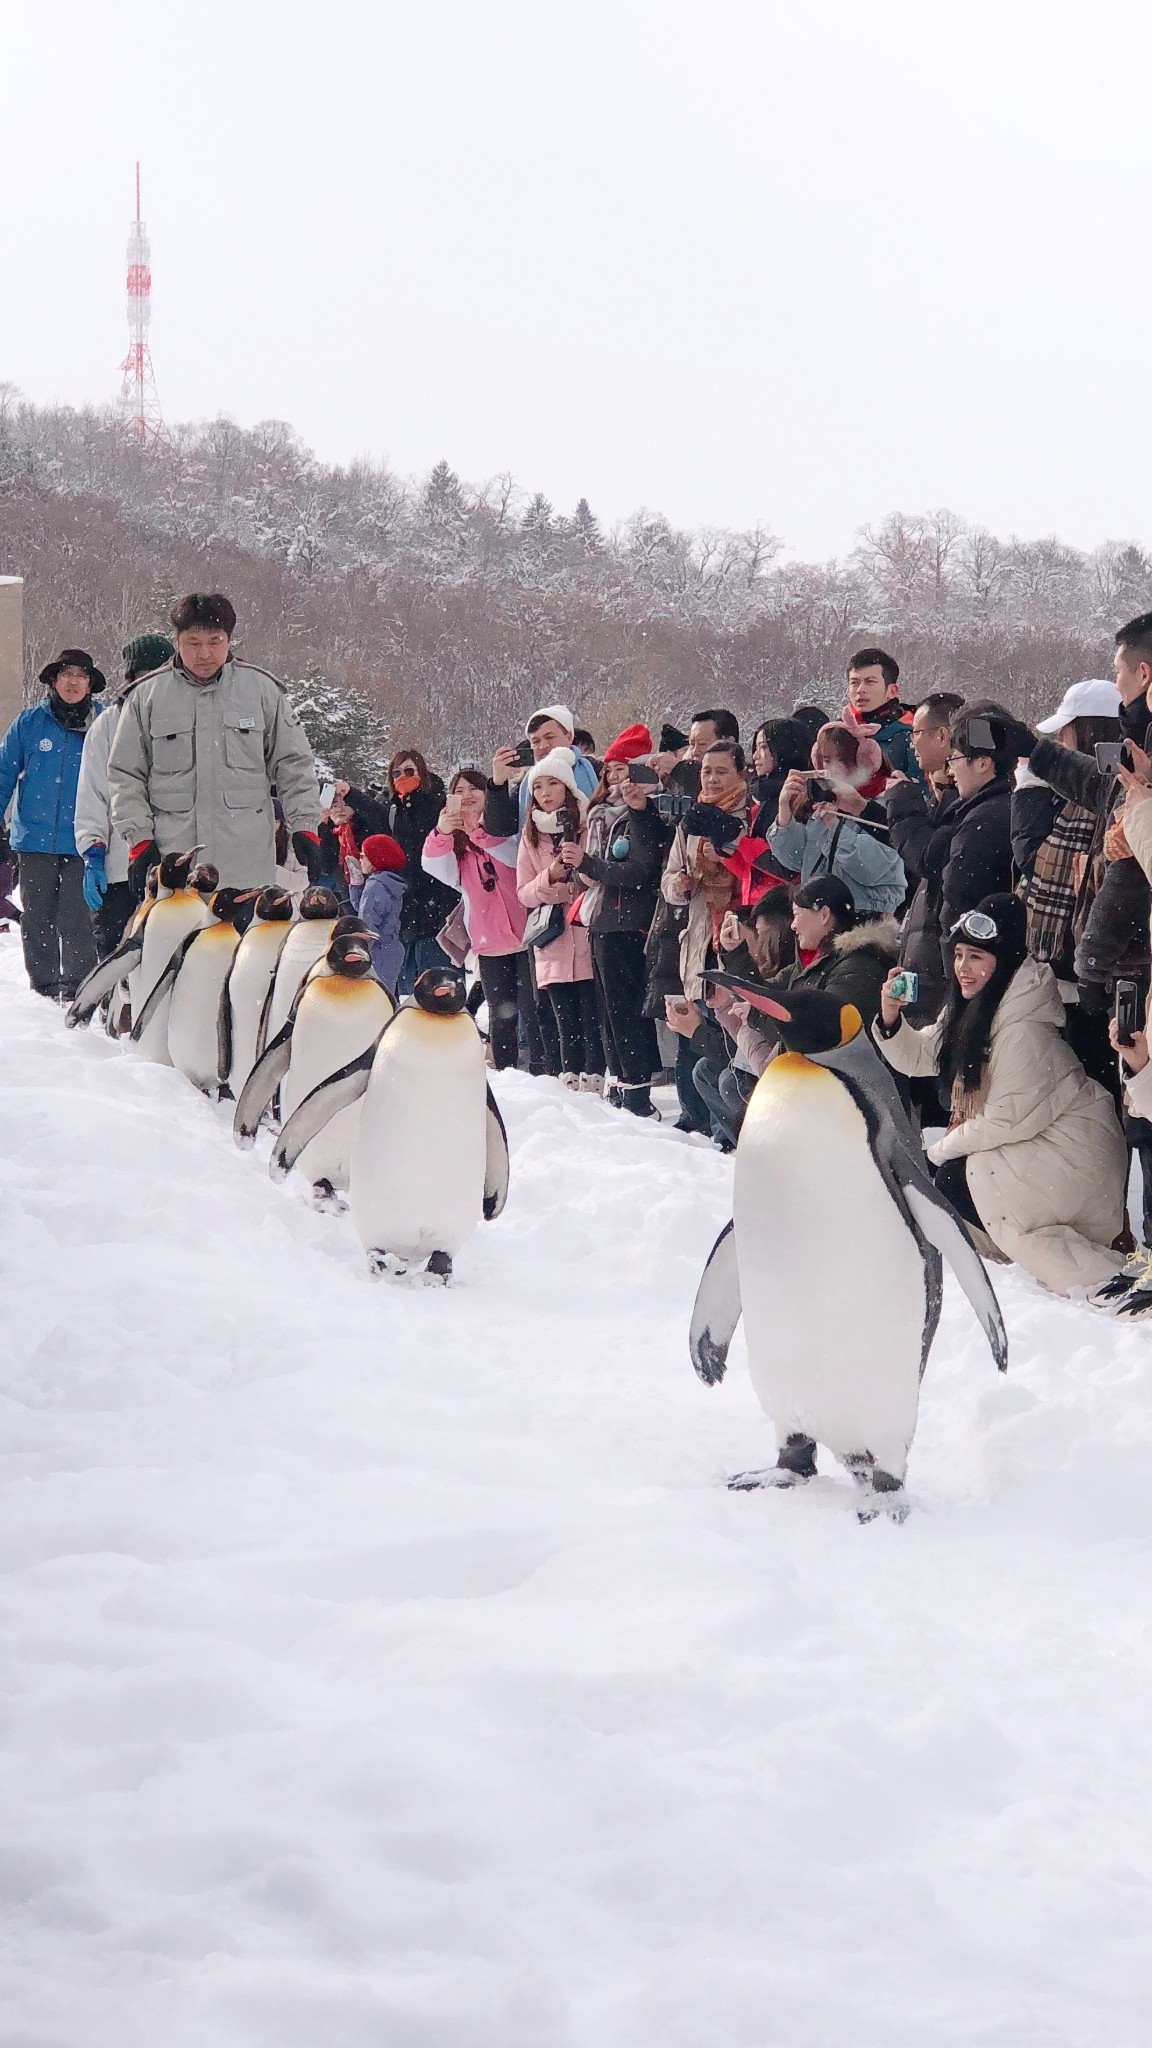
390	1668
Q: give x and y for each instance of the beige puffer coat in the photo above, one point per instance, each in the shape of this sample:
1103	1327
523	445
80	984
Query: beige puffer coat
193	764
1045	1157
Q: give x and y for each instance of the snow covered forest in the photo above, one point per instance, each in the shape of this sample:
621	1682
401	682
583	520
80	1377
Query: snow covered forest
447	607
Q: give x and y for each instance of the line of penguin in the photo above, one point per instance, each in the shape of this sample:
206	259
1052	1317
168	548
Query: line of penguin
387	1106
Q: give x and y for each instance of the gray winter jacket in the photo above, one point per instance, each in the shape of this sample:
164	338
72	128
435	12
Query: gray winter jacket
92	823
193	764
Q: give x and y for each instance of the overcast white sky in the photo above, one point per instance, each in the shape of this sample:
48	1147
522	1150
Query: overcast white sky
802	263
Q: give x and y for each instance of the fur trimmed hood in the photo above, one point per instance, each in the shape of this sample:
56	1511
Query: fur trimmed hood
877	935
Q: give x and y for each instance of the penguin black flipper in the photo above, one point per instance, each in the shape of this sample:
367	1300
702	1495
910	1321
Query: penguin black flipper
495	1162
717	1310
261	1086
164	986
931	1219
338	1092
224	1028
102	980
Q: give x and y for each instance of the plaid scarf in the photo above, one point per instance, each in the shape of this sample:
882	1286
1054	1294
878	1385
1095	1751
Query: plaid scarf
1051	891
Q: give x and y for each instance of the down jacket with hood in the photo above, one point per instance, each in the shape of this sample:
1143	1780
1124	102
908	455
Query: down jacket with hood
93	821
854	970
1045	1157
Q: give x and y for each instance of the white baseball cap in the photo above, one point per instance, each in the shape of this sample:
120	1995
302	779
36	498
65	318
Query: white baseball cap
1093	699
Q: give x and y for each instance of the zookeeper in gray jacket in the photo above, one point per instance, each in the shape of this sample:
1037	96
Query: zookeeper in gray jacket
199	746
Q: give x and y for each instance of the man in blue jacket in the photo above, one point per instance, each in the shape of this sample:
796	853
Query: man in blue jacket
40	765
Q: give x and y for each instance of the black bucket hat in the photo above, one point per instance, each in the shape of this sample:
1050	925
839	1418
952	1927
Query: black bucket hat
74	657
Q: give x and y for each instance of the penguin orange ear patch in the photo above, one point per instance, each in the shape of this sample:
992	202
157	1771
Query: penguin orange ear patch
851	1023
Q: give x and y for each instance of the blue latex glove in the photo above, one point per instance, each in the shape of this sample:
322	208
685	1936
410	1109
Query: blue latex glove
95	882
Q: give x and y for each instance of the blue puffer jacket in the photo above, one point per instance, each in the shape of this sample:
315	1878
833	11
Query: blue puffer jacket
40	762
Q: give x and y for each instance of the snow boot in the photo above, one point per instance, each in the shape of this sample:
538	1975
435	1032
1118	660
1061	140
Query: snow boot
591	1084
1135	1274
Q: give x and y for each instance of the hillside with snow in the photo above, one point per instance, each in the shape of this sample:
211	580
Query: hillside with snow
389	1667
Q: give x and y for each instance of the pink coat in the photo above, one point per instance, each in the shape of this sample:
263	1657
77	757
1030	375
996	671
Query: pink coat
494	917
568	958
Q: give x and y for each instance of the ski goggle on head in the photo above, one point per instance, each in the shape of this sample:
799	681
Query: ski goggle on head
977	926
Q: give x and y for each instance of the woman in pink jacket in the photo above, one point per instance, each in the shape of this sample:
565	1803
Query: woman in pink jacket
462	854
550	847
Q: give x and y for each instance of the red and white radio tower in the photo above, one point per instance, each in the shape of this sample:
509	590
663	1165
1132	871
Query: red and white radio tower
139	398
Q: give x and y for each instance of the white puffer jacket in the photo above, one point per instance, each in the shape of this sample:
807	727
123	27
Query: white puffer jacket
1046	1159
92	824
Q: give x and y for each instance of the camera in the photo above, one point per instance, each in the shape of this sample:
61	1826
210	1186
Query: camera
904	987
819	791
1127	1011
673	807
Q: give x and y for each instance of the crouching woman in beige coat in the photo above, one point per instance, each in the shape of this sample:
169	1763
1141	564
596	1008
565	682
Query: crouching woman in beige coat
1033	1152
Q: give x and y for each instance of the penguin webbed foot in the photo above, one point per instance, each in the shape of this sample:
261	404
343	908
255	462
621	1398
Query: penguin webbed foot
386	1265
884	1494
326	1199
795	1465
438	1271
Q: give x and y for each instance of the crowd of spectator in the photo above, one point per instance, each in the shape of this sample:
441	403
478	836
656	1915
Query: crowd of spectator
977	890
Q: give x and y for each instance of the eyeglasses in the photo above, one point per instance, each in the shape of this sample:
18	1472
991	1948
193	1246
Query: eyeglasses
976	924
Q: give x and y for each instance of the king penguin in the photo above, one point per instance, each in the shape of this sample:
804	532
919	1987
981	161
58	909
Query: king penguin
307	942
245	992
193	981
174	916
125	966
336	1018
833	1256
430	1155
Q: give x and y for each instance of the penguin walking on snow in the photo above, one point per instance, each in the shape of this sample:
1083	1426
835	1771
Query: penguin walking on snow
136	962
833	1256
191	986
172	920
336	1018
430	1155
245	992
307	942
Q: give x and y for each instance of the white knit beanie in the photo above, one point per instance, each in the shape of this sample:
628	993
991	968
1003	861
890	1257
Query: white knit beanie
559	712
561	764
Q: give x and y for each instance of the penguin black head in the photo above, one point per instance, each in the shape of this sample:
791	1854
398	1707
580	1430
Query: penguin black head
274	906
350	923
204	878
440	991
175	869
349	956
810	1021
230	904
318	902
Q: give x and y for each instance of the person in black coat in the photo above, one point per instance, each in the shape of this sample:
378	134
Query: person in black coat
969	855
415	799
916	812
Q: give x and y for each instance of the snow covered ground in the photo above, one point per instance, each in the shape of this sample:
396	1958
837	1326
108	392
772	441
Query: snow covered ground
390	1668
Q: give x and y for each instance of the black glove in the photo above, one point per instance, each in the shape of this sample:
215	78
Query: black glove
306	847
142	858
1017	736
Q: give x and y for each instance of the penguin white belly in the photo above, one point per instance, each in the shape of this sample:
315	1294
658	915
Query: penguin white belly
337	1020
194	1010
831	1278
417	1180
307	942
168	926
247	991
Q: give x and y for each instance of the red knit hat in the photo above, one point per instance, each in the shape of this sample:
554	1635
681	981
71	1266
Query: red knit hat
630	745
382	854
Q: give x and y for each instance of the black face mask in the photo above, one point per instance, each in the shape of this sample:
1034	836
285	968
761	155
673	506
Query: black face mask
74	716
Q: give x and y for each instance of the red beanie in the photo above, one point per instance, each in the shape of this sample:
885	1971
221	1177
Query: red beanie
383	854
630	745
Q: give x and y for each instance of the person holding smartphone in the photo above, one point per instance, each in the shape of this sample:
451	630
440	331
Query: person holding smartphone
460	852
620	867
551	847
1033	1157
